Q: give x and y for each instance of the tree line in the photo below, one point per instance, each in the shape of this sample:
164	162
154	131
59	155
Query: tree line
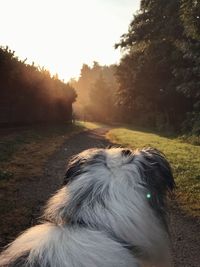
157	82
159	72
29	93
96	89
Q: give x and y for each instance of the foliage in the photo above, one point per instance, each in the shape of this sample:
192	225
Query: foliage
159	73
29	94
96	89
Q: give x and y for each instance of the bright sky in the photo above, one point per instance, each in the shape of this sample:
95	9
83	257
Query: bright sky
61	35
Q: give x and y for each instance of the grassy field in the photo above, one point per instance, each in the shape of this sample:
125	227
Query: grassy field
184	158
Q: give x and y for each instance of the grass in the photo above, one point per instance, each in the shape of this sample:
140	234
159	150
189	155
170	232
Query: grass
184	159
192	139
23	154
90	125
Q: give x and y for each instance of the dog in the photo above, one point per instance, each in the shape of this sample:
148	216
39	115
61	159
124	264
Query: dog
111	212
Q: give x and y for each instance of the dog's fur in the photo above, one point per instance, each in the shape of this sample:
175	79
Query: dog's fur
111	212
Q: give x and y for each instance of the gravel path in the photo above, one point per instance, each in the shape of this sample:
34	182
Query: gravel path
185	231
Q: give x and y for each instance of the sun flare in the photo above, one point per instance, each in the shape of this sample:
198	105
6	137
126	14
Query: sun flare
62	35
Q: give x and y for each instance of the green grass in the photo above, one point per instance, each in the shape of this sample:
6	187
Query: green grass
90	125
9	146
184	159
192	139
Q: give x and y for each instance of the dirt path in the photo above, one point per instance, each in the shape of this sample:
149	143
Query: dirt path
35	191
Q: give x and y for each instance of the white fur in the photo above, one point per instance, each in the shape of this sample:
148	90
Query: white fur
69	248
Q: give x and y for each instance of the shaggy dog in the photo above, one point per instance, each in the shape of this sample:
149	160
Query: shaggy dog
111	212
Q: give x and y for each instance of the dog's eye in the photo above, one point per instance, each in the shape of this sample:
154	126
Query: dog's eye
148	195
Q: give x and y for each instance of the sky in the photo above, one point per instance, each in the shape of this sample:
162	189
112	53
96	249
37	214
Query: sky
61	35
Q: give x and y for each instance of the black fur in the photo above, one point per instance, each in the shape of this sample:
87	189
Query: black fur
77	164
158	179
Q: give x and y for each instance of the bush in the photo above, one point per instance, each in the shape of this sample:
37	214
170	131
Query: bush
192	124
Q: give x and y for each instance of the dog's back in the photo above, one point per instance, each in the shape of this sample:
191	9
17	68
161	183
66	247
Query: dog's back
48	245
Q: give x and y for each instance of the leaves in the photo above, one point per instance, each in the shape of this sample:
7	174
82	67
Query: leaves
161	64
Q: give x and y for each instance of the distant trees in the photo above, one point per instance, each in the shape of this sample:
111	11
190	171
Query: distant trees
159	74
29	94
96	89
102	102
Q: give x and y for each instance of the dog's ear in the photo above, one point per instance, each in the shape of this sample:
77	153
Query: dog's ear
78	163
157	171
156	174
74	168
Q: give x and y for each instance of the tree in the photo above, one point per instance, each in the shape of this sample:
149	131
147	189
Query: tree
150	70
95	88
101	101
189	75
29	94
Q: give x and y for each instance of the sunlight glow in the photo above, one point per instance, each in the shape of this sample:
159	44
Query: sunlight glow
61	35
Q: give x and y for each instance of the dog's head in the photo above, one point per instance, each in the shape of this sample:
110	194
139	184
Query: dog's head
151	162
152	165
119	191
146	170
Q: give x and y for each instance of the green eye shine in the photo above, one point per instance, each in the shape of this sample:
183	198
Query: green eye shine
148	195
